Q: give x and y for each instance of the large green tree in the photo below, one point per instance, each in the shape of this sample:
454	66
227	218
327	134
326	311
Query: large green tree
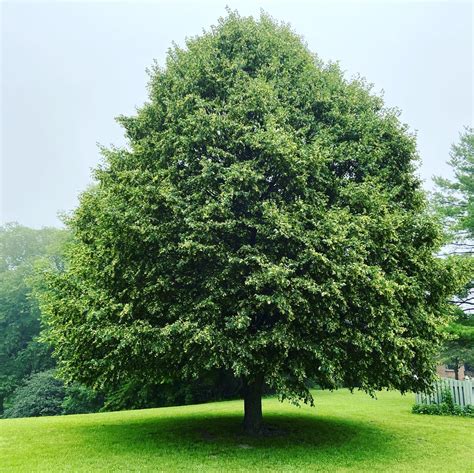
265	219
454	203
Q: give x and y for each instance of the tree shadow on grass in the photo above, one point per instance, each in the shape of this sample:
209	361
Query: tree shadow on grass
203	437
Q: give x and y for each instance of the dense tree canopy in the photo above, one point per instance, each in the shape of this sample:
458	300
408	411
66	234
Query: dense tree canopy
265	218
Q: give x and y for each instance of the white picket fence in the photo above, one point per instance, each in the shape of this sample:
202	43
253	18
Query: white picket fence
462	391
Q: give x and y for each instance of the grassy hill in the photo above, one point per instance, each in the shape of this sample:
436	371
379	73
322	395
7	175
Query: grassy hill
344	432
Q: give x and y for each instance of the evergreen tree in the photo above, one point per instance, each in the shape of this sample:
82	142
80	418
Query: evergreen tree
454	203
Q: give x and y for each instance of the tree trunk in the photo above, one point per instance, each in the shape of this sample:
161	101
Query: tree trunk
253	405
456	369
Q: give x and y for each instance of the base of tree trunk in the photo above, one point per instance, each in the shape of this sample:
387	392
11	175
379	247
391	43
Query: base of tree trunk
253	418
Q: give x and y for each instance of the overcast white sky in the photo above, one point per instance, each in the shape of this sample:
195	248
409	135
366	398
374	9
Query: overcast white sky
68	68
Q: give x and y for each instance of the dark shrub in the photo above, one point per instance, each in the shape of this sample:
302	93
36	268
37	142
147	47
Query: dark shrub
41	395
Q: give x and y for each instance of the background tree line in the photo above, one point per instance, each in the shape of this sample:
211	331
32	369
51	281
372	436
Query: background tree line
28	383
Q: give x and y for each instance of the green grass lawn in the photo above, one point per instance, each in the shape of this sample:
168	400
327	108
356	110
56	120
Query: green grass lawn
344	432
